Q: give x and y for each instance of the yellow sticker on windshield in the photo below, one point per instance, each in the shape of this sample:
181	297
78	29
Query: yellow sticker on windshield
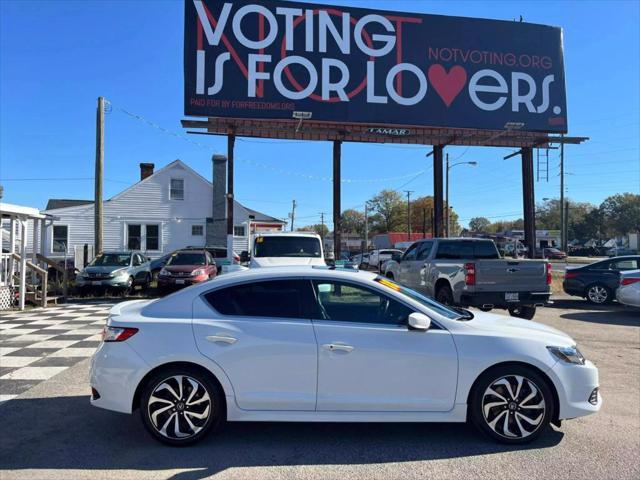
259	239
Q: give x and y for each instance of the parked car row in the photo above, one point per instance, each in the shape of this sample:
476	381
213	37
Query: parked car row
599	281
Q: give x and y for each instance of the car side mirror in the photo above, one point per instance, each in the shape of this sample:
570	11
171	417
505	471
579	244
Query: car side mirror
244	256
419	321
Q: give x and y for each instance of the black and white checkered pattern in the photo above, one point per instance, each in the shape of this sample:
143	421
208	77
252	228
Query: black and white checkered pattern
37	344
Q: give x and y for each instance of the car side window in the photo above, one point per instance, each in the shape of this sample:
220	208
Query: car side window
272	298
411	253
455	250
345	302
622	265
136	260
424	250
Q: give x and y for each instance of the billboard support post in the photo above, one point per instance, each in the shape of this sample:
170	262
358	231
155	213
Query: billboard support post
437	191
528	197
337	152
231	142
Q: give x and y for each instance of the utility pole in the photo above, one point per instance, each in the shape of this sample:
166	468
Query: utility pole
424	223
409	192
366	227
322	226
563	232
447	198
97	201
293	213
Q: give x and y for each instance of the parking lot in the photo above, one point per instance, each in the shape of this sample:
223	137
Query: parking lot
50	431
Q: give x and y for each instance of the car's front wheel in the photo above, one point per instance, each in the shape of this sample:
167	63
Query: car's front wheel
180	406
512	404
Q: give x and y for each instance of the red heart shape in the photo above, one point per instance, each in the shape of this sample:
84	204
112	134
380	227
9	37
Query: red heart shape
447	85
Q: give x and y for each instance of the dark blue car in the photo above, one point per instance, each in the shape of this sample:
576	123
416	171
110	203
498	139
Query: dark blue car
598	281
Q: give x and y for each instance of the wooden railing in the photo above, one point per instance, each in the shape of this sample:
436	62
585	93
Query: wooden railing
54	265
40	271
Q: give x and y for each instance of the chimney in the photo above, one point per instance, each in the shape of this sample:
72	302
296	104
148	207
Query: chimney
146	170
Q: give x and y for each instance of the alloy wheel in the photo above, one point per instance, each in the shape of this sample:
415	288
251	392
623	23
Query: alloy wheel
598	294
513	407
179	407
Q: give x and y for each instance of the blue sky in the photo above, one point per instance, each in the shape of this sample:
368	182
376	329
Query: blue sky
58	57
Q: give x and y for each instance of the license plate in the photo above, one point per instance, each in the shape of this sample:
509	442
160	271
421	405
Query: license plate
179	282
96	282
512	297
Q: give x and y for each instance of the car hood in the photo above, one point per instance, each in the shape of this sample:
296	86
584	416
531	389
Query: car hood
501	325
103	269
183	268
285	261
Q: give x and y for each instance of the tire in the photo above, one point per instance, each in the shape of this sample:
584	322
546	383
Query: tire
444	295
182	395
128	288
485	309
511	414
147	283
598	294
526	312
389	275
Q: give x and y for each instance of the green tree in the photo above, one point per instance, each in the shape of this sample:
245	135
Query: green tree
621	213
390	212
479	224
352	221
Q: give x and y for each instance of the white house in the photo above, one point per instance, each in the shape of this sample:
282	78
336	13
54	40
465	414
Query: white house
166	210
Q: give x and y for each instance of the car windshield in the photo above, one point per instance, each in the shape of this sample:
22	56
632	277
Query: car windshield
287	247
111	260
186	259
426	301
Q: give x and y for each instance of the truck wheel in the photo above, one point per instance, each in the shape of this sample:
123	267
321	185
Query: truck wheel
389	275
444	295
525	312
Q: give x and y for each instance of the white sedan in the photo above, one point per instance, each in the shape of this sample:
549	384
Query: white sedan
312	344
628	292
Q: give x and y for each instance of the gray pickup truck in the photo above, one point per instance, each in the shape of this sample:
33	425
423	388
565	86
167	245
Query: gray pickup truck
471	273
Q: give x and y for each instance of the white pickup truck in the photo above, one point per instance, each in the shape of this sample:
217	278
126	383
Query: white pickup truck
284	249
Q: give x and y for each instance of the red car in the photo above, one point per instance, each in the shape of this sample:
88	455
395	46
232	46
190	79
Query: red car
184	268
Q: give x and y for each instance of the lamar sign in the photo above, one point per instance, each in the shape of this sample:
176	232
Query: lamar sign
267	59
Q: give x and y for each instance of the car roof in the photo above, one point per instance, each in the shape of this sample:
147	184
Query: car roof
118	253
288	234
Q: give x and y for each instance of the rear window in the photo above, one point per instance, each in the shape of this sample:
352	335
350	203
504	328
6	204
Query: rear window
274	298
467	250
287	247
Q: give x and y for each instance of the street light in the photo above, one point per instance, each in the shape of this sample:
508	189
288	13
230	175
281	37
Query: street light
449	167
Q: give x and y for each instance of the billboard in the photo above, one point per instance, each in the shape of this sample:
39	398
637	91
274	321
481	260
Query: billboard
267	59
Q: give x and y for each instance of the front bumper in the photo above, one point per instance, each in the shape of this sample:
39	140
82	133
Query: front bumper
498	299
179	282
575	385
116	282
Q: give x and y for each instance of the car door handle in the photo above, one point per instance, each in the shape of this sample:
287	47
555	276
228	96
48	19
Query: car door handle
222	338
338	347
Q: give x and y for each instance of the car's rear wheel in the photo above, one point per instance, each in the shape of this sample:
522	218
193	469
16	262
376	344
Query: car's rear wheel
179	406
522	311
512	404
598	294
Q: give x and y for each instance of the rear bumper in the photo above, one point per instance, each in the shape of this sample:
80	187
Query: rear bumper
498	299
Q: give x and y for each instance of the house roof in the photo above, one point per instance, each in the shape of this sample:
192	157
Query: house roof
55	203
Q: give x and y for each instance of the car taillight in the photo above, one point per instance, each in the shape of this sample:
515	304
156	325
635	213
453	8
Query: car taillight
549	276
629	281
117	334
568	274
470	273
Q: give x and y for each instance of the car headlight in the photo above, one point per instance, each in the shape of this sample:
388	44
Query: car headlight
118	273
568	354
198	272
163	272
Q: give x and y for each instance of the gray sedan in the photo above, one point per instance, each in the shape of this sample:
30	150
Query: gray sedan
120	270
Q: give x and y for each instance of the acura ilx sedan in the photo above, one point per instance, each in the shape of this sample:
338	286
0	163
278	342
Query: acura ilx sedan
313	344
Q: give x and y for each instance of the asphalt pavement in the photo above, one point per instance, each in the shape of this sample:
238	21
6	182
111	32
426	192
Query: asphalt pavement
51	432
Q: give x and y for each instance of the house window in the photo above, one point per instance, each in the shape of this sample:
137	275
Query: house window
143	237
60	238
197	230
153	237
238	231
176	190
134	237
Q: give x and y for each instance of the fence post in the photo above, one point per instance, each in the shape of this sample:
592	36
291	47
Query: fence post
44	288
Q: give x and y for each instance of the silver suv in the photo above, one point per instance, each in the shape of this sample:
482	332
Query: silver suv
119	270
